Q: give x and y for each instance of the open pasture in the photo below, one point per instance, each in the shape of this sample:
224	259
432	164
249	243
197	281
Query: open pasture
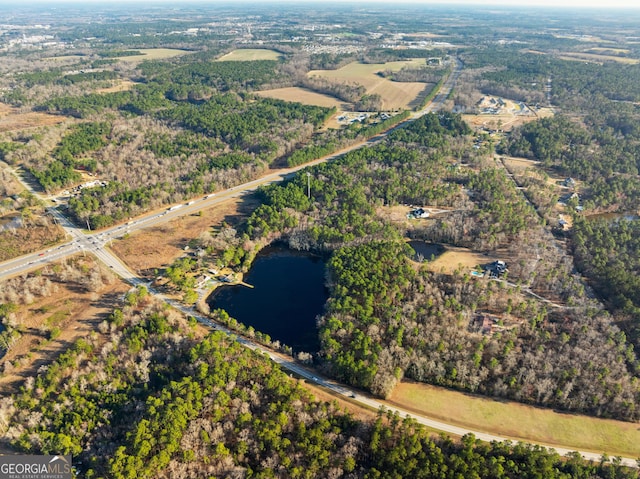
249	54
395	95
11	119
153	54
519	421
304	96
597	58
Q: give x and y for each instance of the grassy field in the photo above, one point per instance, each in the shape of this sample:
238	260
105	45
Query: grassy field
63	58
249	54
11	119
624	51
593	57
395	95
456	258
120	86
519	421
302	95
153	54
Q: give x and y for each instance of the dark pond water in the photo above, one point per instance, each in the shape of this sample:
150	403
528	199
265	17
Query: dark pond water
287	296
426	250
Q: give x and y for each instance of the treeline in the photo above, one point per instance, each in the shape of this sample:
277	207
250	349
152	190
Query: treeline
57	77
383	55
606	161
222	75
236	121
329	143
68	155
213	141
608	252
349	92
424	74
218	138
384	321
155	399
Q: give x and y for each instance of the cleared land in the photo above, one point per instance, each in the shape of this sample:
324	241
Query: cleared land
455	258
593	57
304	96
249	54
11	119
601	50
519	421
505	117
63	58
121	86
75	312
395	95
27	239
153	54
158	247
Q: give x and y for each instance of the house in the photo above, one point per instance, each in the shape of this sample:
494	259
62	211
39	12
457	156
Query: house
566	198
569	182
417	213
496	269
487	324
483	323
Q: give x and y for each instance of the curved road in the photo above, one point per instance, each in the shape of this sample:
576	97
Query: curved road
95	243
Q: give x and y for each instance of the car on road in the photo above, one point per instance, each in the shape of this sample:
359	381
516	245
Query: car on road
313	378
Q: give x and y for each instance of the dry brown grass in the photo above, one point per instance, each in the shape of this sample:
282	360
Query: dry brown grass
158	247
505	121
395	95
249	54
152	54
597	58
11	119
624	51
304	96
76	312
124	85
28	239
519	165
518	421
455	258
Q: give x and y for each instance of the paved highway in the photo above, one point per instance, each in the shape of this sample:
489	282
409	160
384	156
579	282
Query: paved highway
94	243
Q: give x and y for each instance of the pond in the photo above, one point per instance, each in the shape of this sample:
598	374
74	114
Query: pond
425	251
288	293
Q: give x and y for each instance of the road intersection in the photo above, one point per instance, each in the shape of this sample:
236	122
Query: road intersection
95	243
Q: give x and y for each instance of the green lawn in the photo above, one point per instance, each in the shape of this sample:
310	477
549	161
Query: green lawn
520	422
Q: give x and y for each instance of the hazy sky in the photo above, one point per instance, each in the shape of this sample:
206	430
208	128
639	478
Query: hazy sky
635	4
578	4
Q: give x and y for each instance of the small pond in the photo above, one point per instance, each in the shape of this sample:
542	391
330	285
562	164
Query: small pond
288	293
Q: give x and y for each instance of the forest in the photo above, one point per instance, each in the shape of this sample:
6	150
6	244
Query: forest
150	396
595	141
149	393
389	318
